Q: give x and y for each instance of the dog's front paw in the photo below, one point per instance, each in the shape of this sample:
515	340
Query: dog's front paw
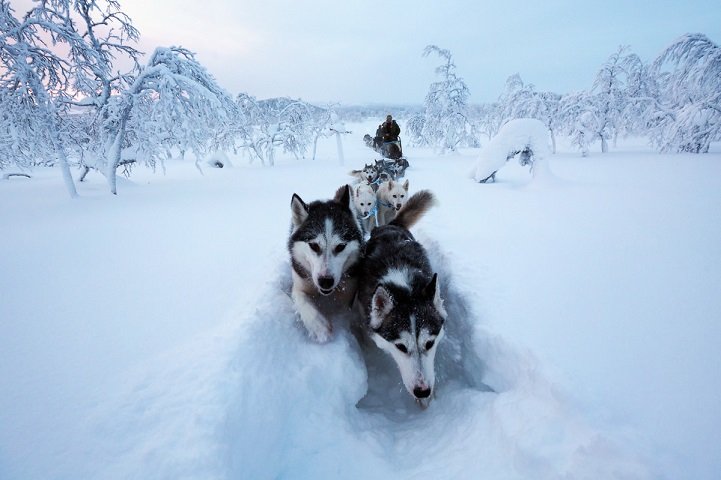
319	329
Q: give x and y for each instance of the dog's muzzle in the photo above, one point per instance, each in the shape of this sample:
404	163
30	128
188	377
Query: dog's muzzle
326	285
420	392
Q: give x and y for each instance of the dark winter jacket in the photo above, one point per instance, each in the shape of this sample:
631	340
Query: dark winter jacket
390	131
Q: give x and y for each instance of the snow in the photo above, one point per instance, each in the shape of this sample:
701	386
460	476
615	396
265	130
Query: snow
514	136
150	334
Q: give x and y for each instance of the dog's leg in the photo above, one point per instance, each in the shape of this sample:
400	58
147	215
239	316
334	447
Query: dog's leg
319	328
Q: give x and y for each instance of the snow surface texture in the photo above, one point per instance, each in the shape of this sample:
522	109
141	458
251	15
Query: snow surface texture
150	335
514	136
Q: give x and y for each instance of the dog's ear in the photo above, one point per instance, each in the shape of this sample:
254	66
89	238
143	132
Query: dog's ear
299	210
433	292
381	305
390	184
405	185
343	196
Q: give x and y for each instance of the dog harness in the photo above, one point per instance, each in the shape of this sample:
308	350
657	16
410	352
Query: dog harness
373	213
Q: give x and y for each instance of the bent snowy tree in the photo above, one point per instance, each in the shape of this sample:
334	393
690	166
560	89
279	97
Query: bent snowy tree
688	116
526	138
173	103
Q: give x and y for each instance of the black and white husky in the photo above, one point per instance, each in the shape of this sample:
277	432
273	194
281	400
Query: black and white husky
399	298
324	246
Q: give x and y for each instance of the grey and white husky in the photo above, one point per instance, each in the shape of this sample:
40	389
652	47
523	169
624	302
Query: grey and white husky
399	298
324	246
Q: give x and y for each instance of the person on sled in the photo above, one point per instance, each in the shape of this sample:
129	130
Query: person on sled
389	130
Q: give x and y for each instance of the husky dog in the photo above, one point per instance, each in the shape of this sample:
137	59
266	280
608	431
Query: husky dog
366	205
368	140
392	196
399	298
369	175
324	248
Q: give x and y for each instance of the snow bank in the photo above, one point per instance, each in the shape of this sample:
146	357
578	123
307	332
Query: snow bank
516	135
258	399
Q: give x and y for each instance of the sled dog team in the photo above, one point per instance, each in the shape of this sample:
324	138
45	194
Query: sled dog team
387	278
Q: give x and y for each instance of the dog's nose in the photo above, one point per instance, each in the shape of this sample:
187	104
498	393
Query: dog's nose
326	283
398	206
420	392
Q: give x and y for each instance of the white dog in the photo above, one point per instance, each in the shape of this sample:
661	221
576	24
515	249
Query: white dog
366	205
392	195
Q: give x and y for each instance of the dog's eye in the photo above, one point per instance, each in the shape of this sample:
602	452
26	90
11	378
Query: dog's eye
395	196
339	248
429	344
315	247
402	195
401	347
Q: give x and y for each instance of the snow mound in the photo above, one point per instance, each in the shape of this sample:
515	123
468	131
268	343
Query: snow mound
258	399
515	136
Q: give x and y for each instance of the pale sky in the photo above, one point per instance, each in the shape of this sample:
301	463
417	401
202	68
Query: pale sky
351	52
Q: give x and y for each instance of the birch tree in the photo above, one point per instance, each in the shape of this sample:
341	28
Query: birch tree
688	114
34	81
444	124
173	103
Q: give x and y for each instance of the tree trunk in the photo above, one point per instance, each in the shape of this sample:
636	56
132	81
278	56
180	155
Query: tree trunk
315	146
64	167
86	170
339	144
114	156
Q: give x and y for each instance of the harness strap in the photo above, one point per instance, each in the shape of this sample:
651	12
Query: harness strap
373	212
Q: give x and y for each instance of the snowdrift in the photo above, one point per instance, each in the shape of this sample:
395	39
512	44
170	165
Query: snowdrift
258	399
514	136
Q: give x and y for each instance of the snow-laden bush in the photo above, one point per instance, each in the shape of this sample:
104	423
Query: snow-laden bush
526	138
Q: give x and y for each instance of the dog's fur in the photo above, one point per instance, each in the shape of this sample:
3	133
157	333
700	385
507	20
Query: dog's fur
380	171
324	246
399	298
392	196
368	174
366	205
368	140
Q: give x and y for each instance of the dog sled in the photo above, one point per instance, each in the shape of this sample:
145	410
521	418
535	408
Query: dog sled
391	149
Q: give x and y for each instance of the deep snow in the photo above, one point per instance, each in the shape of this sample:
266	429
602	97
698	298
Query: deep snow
150	335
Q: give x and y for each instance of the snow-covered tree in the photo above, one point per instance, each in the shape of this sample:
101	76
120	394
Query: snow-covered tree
610	99
292	125
578	119
444	124
641	95
688	115
521	100
67	48
107	34
35	82
487	118
600	114
172	103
